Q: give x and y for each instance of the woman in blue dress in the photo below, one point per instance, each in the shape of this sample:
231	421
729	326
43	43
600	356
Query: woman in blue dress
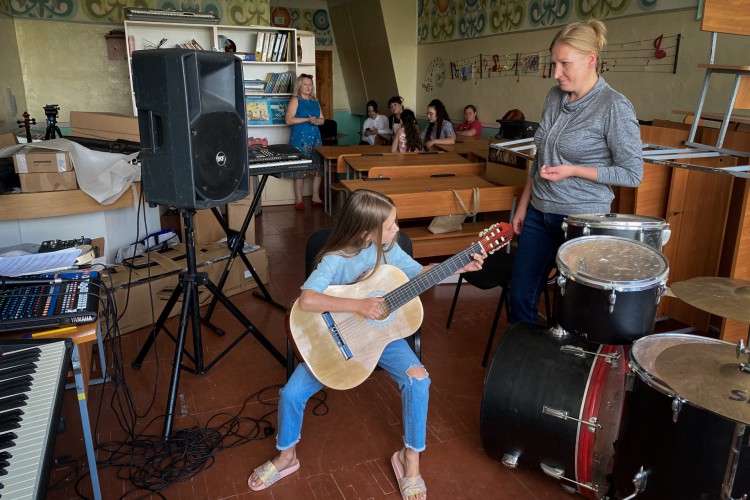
304	115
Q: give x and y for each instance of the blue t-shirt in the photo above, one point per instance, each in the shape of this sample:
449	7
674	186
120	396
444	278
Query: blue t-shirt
341	270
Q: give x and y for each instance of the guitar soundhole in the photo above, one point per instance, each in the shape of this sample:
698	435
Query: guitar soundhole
387	320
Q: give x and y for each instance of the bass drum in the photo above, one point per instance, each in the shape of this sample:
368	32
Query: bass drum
652	231
684	448
609	288
554	402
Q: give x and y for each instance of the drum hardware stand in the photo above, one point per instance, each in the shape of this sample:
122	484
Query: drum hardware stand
578	351
558	331
236	243
733	462
742	349
187	287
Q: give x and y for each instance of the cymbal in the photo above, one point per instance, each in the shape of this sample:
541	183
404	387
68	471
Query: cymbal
707	375
726	297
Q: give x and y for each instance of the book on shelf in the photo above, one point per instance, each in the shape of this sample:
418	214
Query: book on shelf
276	45
277	109
258	112
282	47
259	45
268	47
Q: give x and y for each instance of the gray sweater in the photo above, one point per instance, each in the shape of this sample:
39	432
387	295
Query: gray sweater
598	130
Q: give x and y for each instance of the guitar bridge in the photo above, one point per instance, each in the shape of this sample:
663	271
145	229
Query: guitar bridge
336	335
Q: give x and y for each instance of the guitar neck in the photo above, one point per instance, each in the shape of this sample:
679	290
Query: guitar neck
406	292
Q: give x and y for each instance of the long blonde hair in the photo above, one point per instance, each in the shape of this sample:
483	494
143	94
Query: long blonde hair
365	211
590	36
298	84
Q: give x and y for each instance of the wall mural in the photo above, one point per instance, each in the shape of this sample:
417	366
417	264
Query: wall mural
445	20
230	12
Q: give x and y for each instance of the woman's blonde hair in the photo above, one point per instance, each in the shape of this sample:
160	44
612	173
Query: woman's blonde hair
590	36
364	213
298	84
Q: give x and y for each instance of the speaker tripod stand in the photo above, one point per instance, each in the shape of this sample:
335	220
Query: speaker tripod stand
187	287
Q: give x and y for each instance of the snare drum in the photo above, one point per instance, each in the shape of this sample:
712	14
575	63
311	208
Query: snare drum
678	421
609	288
649	230
556	403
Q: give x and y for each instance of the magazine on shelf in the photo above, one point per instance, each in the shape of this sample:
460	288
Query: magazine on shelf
277	109
258	112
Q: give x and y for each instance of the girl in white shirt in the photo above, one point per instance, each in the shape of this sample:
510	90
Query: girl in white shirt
375	125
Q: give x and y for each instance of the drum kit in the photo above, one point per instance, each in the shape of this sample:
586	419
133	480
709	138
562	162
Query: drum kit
670	423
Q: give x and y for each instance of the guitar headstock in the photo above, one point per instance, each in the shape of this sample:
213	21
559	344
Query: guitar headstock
496	237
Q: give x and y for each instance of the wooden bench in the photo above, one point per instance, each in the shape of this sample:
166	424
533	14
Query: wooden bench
420	197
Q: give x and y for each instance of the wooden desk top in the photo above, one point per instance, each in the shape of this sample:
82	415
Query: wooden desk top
418	185
82	334
365	163
476	147
333	152
56	203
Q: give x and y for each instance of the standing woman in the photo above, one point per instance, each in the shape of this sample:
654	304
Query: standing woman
472	126
440	128
588	140
407	139
304	115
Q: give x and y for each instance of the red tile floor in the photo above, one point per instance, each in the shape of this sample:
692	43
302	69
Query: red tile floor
345	453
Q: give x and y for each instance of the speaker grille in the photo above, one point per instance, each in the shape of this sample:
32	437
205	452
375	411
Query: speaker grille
218	141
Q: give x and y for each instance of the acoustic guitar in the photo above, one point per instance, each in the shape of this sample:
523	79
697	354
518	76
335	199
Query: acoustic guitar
342	349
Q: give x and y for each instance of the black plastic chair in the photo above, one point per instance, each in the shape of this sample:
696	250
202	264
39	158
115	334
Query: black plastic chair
329	133
314	244
495	272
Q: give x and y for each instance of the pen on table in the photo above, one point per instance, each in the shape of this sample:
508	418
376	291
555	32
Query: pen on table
48	332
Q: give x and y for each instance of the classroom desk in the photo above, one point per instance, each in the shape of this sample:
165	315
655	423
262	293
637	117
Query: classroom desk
83	338
330	154
362	164
736	118
471	149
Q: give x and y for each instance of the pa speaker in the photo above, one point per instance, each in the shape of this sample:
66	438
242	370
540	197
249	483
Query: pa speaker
191	118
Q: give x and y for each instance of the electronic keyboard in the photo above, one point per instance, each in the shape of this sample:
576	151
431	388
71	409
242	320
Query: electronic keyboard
32	382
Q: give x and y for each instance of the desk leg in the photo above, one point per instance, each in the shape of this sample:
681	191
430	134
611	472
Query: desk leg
87	437
328	176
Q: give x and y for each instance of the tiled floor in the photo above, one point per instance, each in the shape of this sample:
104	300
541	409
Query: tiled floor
344	453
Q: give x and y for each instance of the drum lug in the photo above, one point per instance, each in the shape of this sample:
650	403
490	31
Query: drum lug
586	230
666	233
562	414
629	381
561	280
612	299
510	460
564	227
558	474
558	331
677	403
580	352
661	291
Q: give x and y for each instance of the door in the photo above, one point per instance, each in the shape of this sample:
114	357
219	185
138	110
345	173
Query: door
324	81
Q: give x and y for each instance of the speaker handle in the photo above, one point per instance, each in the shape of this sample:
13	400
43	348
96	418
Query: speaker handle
152	124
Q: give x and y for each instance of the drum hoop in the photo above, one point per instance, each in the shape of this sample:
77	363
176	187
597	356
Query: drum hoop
646	225
649	379
617	286
585	442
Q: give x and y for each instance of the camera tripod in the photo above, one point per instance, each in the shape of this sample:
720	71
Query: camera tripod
50	110
187	287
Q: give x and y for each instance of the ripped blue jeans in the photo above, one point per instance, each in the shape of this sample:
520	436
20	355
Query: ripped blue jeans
396	359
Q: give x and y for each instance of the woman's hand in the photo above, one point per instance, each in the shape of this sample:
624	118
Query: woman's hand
476	264
371	308
517	221
560	172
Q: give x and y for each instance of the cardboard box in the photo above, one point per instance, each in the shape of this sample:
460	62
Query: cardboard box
37	183
206	229
236	212
110	126
8	139
155	283
507	168
32	160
